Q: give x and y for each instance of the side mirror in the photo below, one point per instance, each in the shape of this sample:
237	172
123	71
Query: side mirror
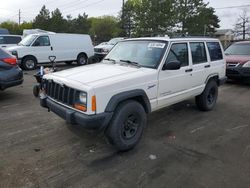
172	65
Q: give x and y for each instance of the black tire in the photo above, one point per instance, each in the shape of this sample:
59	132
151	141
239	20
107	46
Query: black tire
207	100
68	62
82	59
29	63
36	90
126	127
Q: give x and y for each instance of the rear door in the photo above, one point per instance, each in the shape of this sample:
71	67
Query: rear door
42	49
200	65
174	84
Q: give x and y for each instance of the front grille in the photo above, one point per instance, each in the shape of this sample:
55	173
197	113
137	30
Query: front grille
61	93
232	64
98	50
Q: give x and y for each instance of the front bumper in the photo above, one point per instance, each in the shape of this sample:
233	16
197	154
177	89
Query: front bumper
100	55
6	84
238	72
93	122
11	77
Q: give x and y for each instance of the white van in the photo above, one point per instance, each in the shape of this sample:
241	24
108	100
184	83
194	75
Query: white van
36	48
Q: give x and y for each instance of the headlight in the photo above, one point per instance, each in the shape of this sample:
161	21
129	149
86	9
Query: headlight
247	64
81	102
105	50
83	98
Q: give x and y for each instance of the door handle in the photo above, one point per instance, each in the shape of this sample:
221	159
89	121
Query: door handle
51	48
4	46
207	66
189	70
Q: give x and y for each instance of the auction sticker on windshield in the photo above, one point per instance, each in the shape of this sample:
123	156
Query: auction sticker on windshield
156	45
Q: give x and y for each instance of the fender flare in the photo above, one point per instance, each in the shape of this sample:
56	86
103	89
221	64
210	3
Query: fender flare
137	94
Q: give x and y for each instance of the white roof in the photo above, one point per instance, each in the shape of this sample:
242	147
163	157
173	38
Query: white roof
175	39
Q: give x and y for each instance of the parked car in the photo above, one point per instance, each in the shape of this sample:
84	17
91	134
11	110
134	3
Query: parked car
10	74
4	31
9	40
137	77
36	48
103	49
238	61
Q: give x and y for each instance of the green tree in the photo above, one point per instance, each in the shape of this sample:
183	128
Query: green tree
14	28
195	17
204	23
81	24
104	28
42	20
149	17
57	22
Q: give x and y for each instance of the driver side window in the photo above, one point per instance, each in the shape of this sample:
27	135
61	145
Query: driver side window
42	41
178	52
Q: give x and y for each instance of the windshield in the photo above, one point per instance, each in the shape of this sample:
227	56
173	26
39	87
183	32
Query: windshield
238	49
28	40
114	41
143	53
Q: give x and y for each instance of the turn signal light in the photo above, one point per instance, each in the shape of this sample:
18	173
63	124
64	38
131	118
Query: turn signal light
80	107
93	103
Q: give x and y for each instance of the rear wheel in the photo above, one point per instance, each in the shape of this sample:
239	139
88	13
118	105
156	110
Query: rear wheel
127	125
29	63
82	59
207	100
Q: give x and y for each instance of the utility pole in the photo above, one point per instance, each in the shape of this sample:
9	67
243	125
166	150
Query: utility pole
19	17
123	22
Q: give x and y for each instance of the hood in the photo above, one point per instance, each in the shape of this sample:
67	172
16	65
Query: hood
100	73
237	58
105	46
12	48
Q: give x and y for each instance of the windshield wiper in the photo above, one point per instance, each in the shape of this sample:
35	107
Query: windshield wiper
131	62
108	59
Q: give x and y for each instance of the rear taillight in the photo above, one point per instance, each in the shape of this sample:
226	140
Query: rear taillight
11	61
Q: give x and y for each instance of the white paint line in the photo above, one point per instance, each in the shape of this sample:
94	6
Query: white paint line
239	127
197	129
11	105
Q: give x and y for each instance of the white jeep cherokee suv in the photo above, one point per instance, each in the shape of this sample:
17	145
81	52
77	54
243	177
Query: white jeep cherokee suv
137	77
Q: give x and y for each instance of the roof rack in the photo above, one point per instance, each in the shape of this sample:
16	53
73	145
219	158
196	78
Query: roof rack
198	36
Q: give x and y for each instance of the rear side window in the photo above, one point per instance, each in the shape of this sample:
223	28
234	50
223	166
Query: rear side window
214	51
12	39
1	40
198	52
178	52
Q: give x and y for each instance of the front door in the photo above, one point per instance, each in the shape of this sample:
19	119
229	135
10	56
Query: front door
42	49
174	84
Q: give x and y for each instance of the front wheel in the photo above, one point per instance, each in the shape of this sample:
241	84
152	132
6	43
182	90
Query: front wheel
127	125
207	100
82	59
36	90
29	63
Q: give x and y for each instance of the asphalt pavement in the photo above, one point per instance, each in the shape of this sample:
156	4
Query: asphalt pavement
181	146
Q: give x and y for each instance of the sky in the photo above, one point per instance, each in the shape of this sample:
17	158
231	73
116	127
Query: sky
30	8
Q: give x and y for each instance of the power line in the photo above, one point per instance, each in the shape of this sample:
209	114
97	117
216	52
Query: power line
79	8
231	7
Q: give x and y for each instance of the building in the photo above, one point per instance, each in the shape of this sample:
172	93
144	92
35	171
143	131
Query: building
226	36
